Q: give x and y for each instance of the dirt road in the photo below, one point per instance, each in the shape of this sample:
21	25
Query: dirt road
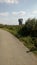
13	52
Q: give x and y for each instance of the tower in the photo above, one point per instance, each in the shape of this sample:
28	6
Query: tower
20	21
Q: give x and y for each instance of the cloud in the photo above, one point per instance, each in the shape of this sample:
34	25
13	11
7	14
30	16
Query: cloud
14	13
4	14
20	13
9	1
34	12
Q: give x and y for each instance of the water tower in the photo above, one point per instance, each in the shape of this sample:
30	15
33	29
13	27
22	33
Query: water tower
20	21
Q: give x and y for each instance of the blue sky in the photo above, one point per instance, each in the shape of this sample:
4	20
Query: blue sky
12	10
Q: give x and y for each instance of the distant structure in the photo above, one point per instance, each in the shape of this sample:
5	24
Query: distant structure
20	21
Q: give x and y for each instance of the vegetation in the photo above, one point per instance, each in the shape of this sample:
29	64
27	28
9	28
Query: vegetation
30	30
26	33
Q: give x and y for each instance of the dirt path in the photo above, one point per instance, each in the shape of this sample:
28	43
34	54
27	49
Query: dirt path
13	52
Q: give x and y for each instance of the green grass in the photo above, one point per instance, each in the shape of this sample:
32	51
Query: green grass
27	41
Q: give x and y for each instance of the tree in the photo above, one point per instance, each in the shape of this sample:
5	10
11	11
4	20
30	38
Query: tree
29	27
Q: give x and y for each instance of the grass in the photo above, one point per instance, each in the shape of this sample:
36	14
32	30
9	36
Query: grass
27	41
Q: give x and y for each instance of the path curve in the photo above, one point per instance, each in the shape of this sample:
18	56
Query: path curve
13	52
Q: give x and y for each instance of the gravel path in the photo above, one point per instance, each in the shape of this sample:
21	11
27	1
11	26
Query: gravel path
13	52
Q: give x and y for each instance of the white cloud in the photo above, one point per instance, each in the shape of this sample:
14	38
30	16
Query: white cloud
14	13
20	13
31	14
4	14
34	12
9	1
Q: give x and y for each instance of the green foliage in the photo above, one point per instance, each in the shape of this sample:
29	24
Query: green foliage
1	25
29	29
28	41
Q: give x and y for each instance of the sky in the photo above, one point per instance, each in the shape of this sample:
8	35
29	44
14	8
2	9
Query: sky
12	10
